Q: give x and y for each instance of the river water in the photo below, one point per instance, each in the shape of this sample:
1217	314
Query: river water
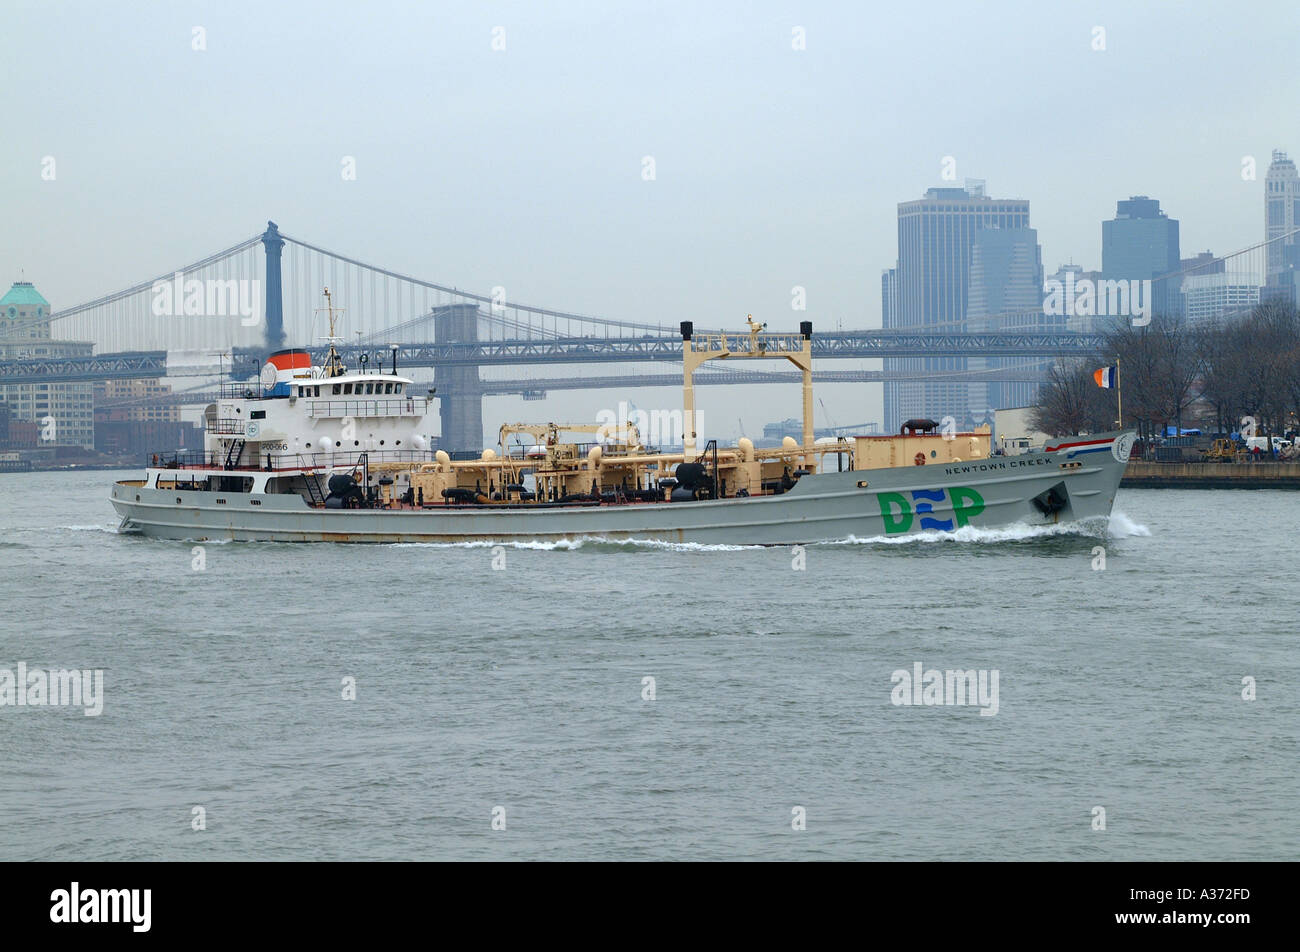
399	702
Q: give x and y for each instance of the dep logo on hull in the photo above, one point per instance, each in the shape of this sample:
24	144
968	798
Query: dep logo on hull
899	512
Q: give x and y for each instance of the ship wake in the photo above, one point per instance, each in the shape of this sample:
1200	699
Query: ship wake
1117	526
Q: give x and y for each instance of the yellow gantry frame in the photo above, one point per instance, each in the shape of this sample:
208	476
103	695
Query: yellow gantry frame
794	347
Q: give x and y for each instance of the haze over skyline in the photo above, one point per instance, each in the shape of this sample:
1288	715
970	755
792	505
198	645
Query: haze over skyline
522	167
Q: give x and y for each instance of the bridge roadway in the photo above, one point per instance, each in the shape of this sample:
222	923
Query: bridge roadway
578	350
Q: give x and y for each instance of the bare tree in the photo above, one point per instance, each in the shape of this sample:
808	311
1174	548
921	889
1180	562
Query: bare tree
1070	401
1242	368
1178	365
1270	340
1134	348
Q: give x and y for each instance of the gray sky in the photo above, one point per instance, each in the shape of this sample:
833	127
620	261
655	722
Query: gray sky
522	168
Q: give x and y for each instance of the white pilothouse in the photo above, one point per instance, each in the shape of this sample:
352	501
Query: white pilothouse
298	425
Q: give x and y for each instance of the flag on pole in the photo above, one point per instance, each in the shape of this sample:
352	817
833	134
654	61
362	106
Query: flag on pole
1106	376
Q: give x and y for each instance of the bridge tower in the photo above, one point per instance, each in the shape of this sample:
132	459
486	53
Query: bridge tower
460	390
274	297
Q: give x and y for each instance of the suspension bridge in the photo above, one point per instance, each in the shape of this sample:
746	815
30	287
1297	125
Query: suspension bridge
263	293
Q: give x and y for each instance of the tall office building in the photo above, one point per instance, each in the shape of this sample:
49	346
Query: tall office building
936	238
69	407
888	318
1141	243
889	297
1006	294
1281	216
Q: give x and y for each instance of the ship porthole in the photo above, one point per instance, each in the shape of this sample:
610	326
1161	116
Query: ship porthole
137	497
308	446
356	442
398	443
381	442
933	454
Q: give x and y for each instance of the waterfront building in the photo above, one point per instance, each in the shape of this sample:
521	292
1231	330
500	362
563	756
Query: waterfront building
137	400
25	333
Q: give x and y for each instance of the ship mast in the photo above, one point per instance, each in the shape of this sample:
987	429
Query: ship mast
333	363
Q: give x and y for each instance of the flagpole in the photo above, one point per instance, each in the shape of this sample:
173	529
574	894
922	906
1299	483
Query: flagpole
1119	393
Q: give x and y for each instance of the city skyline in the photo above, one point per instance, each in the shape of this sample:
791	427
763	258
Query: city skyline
1213	293
138	173
23	274
1217	249
643	165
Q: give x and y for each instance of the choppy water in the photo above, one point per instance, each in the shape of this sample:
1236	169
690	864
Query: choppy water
521	688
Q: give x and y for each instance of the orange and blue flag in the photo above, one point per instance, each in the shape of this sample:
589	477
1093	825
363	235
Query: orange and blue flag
1106	376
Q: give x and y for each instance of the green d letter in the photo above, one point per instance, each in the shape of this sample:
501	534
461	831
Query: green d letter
966	504
895	521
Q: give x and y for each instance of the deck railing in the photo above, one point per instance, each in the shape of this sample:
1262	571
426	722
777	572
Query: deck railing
247	390
343	459
283	461
195	459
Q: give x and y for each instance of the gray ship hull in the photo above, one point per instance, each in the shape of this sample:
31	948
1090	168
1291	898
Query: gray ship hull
1075	480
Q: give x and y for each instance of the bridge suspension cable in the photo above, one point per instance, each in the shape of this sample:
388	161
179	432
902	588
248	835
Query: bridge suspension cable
127	319
149	285
494	305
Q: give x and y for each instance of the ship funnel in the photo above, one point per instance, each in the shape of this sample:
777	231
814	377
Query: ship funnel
283	367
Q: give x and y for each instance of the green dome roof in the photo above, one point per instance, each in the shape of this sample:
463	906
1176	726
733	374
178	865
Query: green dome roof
21	294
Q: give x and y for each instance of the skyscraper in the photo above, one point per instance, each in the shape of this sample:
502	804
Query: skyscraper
1281	212
889	297
889	318
1006	293
936	237
1141	243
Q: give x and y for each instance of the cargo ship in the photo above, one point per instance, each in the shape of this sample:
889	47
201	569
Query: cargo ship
331	454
